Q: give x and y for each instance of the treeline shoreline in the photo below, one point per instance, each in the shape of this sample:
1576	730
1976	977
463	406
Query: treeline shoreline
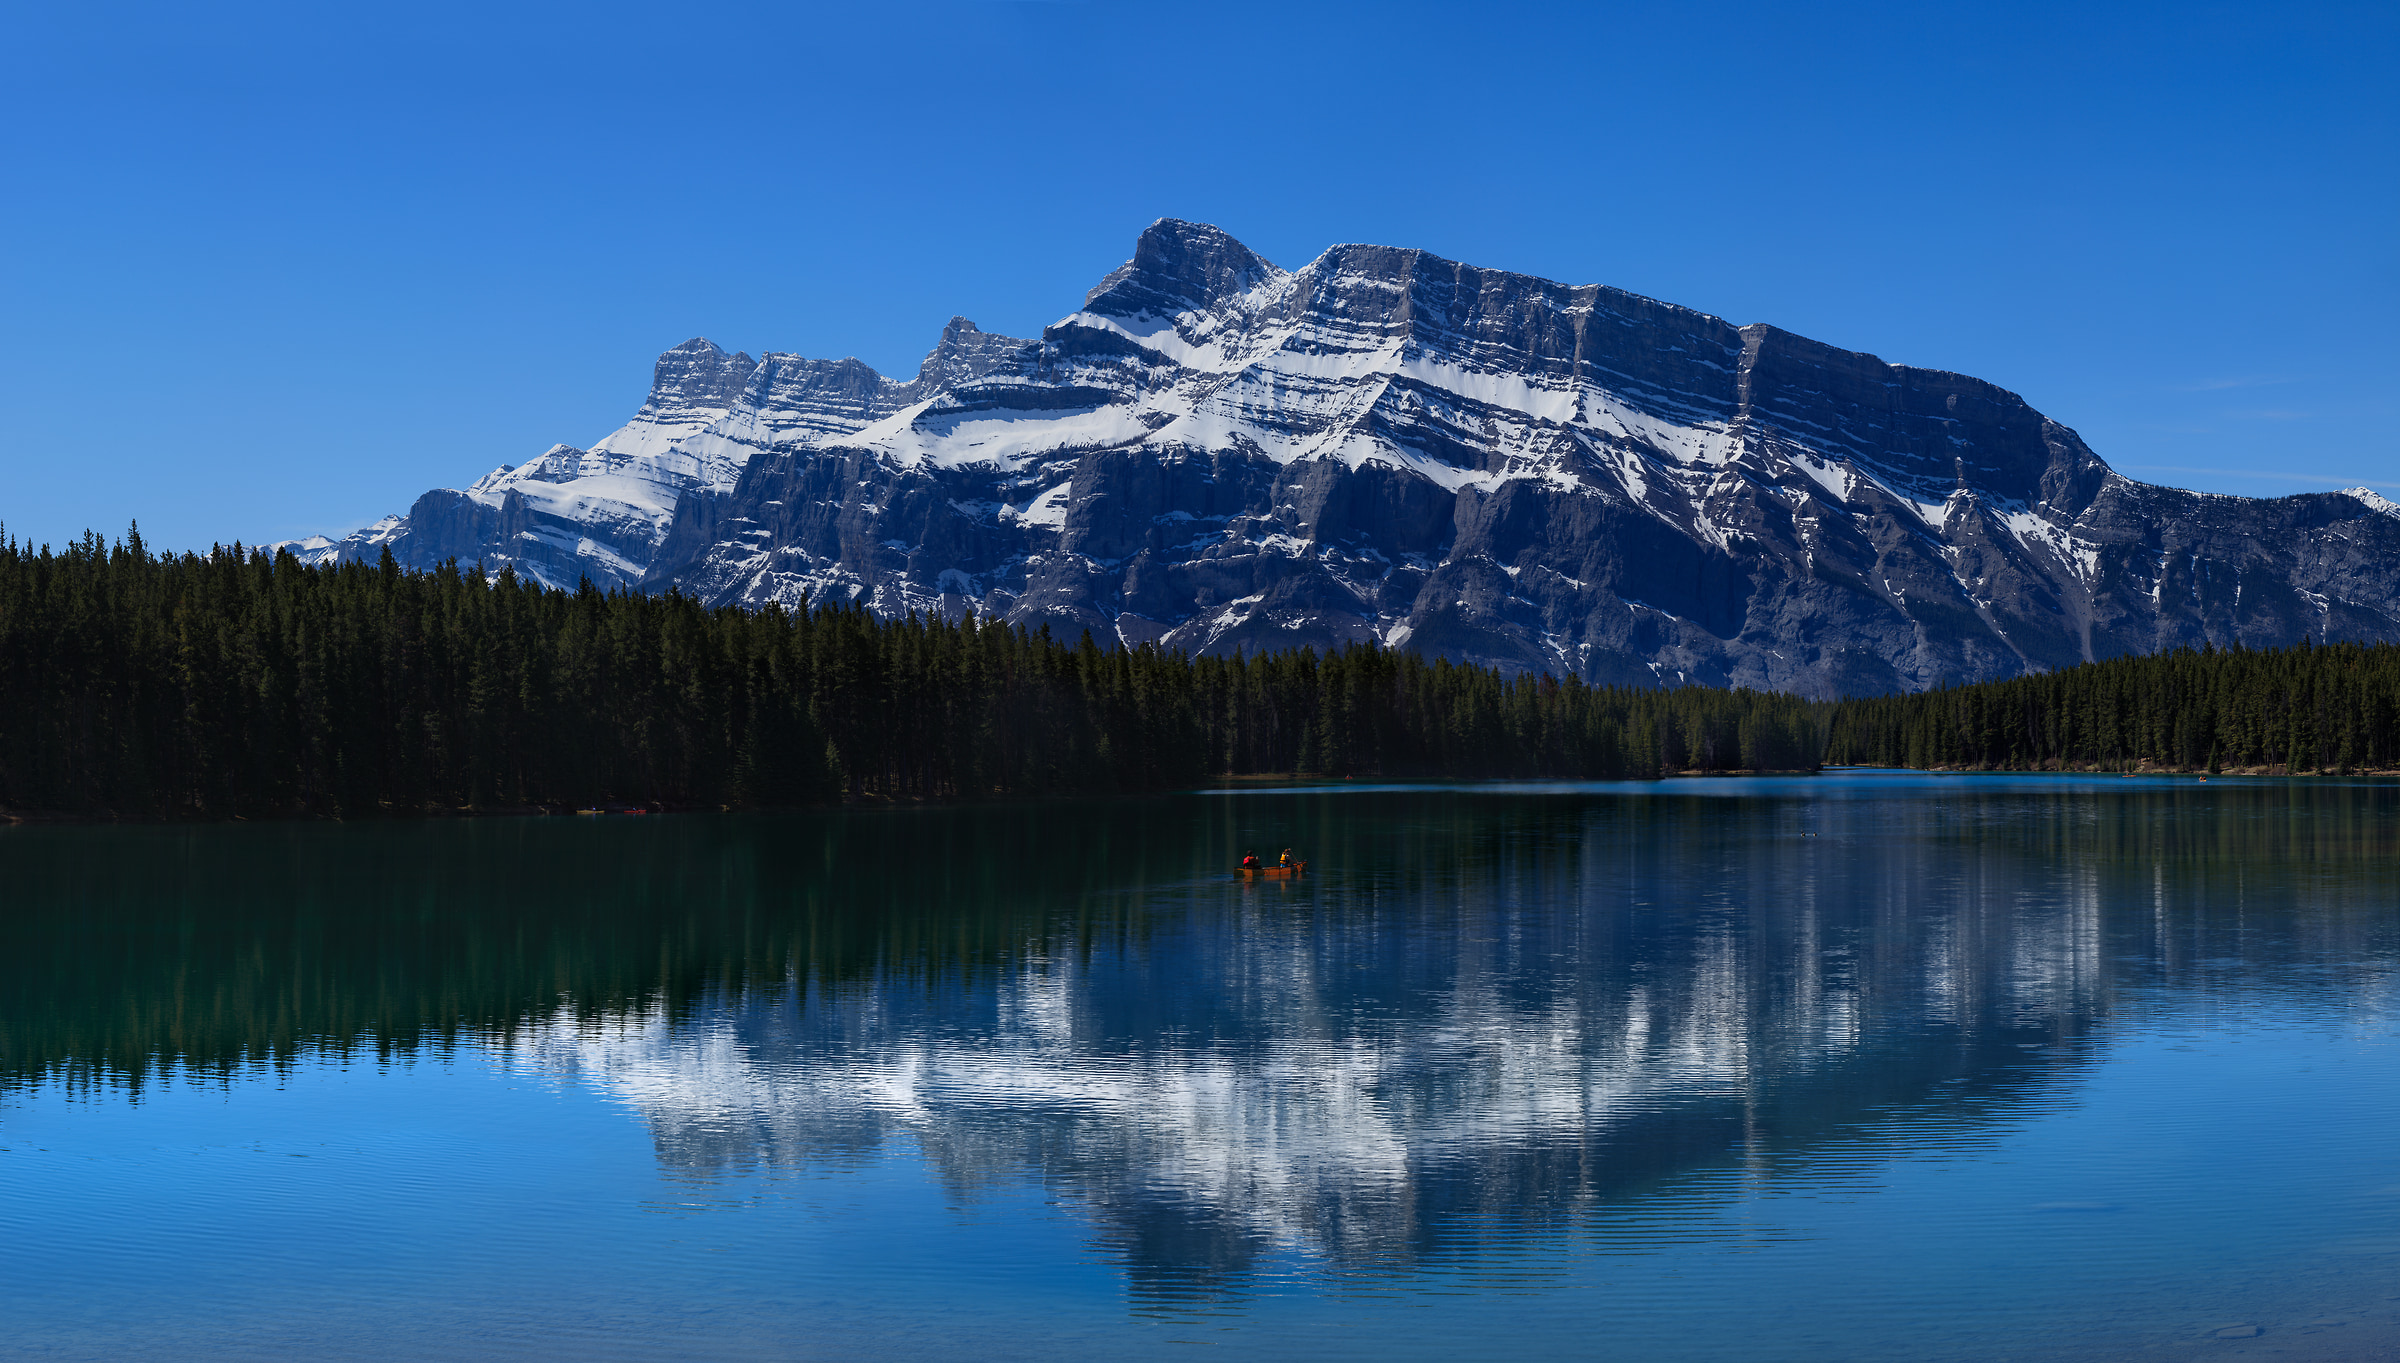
2331	708
2103	769
242	685
239	685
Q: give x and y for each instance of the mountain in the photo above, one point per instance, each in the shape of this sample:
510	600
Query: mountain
1222	455
601	513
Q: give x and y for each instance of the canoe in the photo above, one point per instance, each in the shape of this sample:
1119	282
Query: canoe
1270	872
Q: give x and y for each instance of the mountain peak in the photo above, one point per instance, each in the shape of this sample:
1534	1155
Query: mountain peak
699	374
2374	500
1179	266
965	352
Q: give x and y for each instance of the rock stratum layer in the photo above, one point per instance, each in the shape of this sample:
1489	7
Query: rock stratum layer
1223	456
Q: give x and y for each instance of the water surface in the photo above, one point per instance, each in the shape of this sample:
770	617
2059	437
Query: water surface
1863	1066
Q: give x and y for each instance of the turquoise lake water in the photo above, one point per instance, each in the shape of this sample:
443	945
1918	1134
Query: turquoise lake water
1859	1066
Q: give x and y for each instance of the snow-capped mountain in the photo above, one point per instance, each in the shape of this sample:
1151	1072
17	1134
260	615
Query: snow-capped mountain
1223	455
601	513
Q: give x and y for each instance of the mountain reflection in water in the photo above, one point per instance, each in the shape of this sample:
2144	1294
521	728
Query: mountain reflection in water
1489	1013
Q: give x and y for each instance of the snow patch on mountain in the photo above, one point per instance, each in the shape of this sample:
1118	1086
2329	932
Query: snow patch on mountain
2373	499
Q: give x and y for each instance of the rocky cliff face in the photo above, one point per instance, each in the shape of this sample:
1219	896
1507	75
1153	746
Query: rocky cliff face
1225	456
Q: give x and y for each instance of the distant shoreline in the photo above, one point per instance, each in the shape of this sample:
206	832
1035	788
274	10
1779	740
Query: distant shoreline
1251	781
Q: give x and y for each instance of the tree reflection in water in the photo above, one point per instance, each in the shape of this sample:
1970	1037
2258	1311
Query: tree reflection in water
1491	1012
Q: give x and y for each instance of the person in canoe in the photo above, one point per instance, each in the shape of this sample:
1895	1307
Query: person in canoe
1249	861
1286	863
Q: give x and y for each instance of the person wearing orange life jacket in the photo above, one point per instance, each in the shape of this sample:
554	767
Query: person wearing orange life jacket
1287	858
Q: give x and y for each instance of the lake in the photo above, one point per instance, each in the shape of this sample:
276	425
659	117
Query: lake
1858	1066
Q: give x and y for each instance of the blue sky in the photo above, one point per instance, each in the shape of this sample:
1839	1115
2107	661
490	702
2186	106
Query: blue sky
268	270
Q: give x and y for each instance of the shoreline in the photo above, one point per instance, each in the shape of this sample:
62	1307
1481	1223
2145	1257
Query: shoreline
1251	781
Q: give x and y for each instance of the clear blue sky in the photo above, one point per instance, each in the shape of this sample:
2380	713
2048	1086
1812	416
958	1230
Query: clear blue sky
266	271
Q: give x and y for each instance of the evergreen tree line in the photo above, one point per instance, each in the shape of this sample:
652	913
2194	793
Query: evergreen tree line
2308	708
238	684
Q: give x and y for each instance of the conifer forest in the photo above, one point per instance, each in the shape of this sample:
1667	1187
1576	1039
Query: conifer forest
235	684
2309	708
239	684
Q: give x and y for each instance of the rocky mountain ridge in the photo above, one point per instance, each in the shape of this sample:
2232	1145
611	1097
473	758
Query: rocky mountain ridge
1221	455
601	513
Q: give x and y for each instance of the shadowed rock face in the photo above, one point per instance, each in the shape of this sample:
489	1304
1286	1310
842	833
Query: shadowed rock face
1224	456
